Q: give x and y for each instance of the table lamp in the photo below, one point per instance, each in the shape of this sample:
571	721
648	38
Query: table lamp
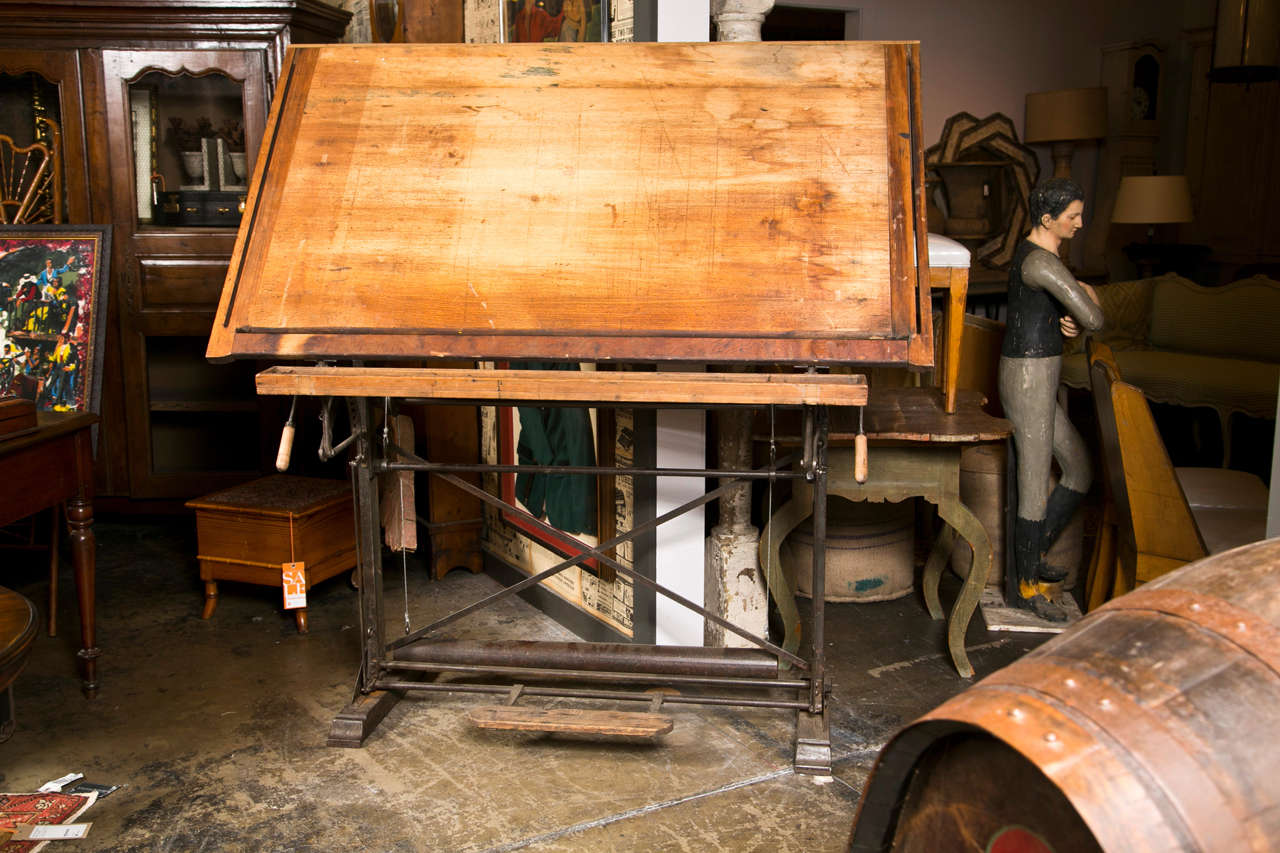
1151	200
1064	118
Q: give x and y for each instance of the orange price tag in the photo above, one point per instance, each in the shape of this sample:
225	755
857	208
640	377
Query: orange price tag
293	577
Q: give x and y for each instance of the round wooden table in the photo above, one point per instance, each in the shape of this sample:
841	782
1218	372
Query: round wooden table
17	631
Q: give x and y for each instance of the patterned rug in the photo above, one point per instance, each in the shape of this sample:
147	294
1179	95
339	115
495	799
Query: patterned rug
37	808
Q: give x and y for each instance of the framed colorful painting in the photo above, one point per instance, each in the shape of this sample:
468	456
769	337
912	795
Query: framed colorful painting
554	20
53	305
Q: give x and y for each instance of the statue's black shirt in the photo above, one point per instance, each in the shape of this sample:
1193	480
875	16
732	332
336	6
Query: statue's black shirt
1032	330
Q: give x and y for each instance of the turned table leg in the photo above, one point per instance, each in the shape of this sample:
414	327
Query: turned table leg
83	545
210	599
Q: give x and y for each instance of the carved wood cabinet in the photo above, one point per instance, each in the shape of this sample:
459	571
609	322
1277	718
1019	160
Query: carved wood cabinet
161	105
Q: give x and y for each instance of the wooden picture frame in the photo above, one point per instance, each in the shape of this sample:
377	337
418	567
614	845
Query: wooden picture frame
555	20
53	305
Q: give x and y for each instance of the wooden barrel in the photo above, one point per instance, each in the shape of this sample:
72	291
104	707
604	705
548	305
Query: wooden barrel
870	551
1149	725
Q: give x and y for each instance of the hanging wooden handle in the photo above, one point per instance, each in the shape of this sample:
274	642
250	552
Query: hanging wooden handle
286	448
860	457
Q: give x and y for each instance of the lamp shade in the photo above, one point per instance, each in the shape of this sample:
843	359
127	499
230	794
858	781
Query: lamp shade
1246	42
1066	114
1153	199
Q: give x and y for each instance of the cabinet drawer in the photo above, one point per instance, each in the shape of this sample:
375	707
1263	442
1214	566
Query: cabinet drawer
188	284
195	208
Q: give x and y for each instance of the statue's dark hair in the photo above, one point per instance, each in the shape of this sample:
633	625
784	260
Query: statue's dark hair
1052	197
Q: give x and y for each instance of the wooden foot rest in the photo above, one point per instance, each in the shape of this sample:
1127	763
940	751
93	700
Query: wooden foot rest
627	723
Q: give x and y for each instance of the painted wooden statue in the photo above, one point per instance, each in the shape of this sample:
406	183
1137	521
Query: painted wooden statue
1046	304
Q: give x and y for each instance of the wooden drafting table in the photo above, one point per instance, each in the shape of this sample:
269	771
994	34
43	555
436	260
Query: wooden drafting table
725	204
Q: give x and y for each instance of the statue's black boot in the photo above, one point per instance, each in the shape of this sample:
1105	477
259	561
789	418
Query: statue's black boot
1063	503
1029	593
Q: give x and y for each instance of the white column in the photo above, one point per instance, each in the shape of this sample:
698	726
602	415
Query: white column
684	20
740	20
681	443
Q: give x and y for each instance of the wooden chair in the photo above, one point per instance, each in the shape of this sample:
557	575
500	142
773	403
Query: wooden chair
1155	517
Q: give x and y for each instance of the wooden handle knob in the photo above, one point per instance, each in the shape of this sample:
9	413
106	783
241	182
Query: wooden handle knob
286	448
860	458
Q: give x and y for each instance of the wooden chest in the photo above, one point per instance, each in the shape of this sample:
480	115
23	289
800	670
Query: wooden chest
17	416
246	533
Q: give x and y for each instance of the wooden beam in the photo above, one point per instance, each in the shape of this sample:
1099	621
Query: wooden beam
562	386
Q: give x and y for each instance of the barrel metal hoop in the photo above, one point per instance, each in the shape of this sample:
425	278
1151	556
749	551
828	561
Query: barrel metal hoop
1143	740
1242	628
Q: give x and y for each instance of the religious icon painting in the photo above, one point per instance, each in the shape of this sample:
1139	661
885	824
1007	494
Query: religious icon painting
554	20
53	305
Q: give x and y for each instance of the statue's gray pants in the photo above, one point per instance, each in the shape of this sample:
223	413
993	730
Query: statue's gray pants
1041	432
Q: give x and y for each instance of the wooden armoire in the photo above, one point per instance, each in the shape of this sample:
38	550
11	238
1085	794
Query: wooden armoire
161	105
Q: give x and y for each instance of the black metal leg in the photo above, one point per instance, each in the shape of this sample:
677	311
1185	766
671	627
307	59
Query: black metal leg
818	619
813	733
354	723
369	548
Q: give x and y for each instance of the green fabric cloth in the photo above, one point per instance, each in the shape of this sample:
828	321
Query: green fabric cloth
557	435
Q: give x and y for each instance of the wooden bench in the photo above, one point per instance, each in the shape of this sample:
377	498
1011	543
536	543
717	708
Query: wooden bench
727	206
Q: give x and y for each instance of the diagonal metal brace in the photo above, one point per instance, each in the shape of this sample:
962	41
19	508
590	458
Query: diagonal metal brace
597	552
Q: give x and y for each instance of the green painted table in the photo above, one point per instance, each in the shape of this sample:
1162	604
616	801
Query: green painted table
914	451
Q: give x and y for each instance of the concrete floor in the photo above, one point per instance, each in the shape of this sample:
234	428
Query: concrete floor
217	728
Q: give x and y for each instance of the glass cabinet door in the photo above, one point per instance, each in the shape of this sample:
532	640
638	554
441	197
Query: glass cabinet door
30	167
190	166
41	105
189	127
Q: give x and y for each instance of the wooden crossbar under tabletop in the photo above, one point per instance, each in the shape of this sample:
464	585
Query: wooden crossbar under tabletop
558	386
642	205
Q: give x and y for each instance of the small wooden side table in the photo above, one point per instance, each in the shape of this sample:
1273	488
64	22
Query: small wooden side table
246	533
46	467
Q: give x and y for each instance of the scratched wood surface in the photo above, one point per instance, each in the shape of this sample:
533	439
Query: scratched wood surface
716	202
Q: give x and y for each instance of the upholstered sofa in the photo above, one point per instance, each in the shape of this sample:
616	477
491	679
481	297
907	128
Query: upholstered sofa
1190	345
